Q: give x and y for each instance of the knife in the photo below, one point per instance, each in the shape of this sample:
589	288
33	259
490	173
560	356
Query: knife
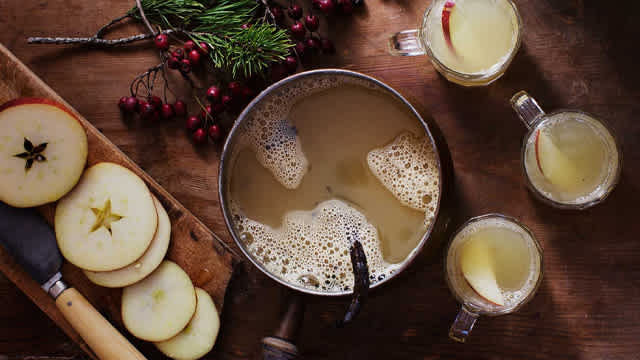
32	243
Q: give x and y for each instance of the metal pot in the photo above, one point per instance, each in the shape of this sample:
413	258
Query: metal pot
226	165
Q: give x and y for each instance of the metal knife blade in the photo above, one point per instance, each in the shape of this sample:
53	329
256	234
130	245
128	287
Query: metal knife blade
31	242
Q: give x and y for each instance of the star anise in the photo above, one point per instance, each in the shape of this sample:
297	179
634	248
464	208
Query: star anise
32	154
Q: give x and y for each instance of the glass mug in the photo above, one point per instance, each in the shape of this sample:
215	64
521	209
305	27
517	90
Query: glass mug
482	39
570	159
508	245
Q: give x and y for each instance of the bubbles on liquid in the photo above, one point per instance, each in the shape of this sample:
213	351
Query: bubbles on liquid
407	167
311	248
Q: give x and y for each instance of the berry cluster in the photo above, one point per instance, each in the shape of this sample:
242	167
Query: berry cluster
185	58
152	108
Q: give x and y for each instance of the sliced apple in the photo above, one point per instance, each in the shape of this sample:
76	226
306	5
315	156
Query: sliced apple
108	221
477	268
143	266
43	151
160	306
554	164
446	21
198	338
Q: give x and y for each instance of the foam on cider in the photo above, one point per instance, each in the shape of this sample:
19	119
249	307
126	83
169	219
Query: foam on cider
311	248
270	134
407	167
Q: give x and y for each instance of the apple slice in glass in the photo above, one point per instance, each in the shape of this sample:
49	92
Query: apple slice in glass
446	21
477	268
43	151
554	164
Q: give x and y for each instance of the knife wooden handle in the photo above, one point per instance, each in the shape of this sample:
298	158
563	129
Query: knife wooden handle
105	341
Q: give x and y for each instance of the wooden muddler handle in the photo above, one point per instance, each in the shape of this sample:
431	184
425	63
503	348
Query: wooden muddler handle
105	341
281	346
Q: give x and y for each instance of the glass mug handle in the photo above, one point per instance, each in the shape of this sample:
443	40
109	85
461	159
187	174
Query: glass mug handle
406	43
463	324
527	108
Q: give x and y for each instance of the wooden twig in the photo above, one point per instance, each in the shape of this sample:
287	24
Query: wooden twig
93	40
144	18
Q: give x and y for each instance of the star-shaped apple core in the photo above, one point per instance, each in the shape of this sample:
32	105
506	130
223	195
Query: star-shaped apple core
104	217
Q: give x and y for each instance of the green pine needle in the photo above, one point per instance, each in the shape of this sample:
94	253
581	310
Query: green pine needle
241	52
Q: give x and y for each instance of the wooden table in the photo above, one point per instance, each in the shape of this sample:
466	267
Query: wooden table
576	54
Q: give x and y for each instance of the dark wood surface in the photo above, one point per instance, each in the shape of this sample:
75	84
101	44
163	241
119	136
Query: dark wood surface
576	54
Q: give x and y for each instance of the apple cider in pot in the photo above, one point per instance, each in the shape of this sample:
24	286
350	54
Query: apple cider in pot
320	163
472	36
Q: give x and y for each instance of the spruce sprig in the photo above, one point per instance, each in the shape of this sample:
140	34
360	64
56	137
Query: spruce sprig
232	49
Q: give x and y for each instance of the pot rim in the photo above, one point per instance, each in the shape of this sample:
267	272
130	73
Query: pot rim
225	163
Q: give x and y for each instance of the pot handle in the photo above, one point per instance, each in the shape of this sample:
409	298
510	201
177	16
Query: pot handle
281	346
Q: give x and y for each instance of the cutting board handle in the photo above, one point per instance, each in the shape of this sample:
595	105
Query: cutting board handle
105	341
281	346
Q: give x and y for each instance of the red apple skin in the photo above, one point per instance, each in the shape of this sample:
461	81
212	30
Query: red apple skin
31	101
446	21
538	152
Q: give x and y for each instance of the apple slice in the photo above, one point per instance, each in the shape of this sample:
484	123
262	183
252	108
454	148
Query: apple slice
446	21
477	268
198	338
143	266
43	151
160	306
108	221
554	164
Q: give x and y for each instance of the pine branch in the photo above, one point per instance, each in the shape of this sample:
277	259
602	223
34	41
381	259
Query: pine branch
247	51
163	12
226	15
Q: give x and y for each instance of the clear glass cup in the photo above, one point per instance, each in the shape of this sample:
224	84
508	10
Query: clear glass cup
535	119
472	305
427	39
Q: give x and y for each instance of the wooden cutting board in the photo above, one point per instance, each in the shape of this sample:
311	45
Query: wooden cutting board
207	260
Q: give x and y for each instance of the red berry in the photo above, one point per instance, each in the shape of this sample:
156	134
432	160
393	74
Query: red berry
192	123
131	104
327	47
180	108
226	100
278	71
245	26
213	94
247	92
326	6
217	108
122	101
206	113
199	136
167	111
315	4
297	30
147	111
236	88
215	133
295	11
204	48
312	22
277	13
194	57
162	41
346	6
156	102
185	66
300	48
173	62
141	105
291	63
188	46
178	53
312	44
